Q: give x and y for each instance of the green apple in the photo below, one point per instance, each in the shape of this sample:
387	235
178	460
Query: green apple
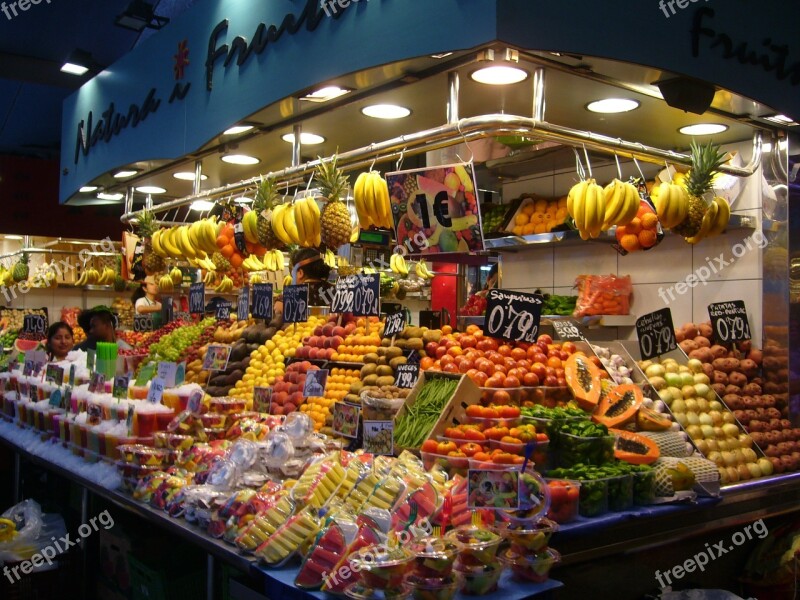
688	391
749	454
755	470
695	366
691	405
658	383
673	380
671	367
714	405
678	406
701	378
708	431
766	466
701	389
676	393
654	370
692	418
730	430
687	378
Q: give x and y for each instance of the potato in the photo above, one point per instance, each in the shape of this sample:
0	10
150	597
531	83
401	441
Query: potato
705	330
688	346
719	351
689	331
752	389
733	389
724	364
748	367
733	401
702	341
737	378
702	354
720	378
719	388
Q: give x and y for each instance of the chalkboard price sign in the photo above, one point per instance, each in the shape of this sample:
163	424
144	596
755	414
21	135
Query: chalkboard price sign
656	333
36	324
513	316
143	323
223	312
568	330
395	324
262	301
357	294
729	321
406	376
243	305
295	303
197	298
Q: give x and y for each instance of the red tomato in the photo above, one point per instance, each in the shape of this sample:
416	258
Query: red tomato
471	448
450	368
551	381
505	350
518	353
511	382
447	360
569	347
510	363
430	446
468	341
524	364
544	338
430	348
530	379
509	412
538	369
480	379
495	381
501	397
501	369
554	362
446	448
441	351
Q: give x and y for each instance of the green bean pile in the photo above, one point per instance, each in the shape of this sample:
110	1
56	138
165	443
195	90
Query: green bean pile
414	426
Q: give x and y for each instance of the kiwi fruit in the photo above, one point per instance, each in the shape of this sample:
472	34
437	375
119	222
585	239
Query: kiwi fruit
368	369
415	344
412	332
386	380
393	352
385	371
402	344
386	342
396	361
355	387
371	380
383	361
371	358
432	335
383	351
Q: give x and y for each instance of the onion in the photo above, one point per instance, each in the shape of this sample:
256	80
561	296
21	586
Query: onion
624	371
660	406
689	449
627	380
674	427
648	403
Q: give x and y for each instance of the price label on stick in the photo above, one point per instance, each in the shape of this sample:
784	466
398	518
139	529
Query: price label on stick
54	374
243	305
262	301
406	375
345	419
262	396
36	324
656	334
167	371
145	374
97	383
379	437
156	391
357	294
729	321
295	303
395	324
567	330
223	312
217	357
197	298
143	323
513	316
120	390
315	383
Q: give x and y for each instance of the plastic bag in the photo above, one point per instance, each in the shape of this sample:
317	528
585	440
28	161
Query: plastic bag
30	527
603	295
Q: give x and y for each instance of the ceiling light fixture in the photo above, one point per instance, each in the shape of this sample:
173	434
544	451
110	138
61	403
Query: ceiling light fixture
612	105
188	176
88	188
499	74
107	196
441	55
124	174
140	15
237	129
306	138
150	189
13	237
243	200
240	159
781	120
325	94
386	111
703	129
202	205
78	62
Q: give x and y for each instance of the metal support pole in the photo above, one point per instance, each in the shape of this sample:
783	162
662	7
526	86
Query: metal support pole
17	493
198	176
453	87
129	199
296	145
209	577
148	202
538	94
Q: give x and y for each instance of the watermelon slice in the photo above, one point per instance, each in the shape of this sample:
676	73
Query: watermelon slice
419	505
328	550
25	345
336	582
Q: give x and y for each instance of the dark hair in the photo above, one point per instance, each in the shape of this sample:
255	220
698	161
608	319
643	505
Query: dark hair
104	317
139	293
313	270
53	330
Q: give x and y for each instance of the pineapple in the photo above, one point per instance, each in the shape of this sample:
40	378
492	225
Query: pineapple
152	262
20	270
335	228
222	263
119	283
705	162
267	198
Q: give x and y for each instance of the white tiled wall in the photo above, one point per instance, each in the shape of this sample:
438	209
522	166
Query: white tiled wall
555	269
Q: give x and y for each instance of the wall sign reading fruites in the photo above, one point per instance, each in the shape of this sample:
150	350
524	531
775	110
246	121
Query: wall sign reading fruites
395	324
567	330
262	301
513	316
197	298
656	333
406	375
729	321
295	303
357	294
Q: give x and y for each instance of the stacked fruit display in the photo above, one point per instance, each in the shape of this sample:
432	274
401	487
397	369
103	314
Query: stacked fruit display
172	346
287	394
538	215
326	339
359	343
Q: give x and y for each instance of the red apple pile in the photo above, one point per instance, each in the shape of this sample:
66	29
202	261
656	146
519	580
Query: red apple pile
287	391
736	376
324	341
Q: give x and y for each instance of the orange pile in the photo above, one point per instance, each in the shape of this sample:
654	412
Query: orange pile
339	382
360	343
539	216
641	232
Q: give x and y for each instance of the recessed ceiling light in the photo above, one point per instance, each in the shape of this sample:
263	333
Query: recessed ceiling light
442	55
105	196
325	94
73	69
150	189
243	200
499	75
77	63
781	120
237	129
306	139
703	129
188	176
612	105
202	205
124	173
240	159
88	188
386	111
13	237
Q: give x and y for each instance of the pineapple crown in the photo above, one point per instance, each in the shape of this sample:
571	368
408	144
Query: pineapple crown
146	224
331	180
706	161
24	258
267	195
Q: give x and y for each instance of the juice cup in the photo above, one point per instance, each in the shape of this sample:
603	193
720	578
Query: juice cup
138	393
144	422
62	424
163	418
170	399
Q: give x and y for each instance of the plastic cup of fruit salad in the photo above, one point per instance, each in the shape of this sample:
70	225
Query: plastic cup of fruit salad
383	568
434	557
477	580
531	567
436	588
527	537
478	546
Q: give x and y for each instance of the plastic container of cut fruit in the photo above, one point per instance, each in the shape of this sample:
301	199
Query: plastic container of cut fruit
526	537
545	396
477	546
531	567
383	568
480	579
436	588
565	497
139	454
451	463
172	441
434	558
227	405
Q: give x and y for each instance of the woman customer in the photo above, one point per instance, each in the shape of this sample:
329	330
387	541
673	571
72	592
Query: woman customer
144	299
60	341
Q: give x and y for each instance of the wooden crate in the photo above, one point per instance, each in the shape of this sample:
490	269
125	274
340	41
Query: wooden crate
466	393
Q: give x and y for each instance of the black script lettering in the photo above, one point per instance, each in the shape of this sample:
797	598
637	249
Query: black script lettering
215	52
179	91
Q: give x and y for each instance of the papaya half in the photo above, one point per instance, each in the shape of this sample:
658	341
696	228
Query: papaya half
634	448
648	419
583	379
619	406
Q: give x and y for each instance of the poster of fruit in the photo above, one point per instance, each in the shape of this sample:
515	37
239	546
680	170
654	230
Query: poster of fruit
379	437
345	419
436	210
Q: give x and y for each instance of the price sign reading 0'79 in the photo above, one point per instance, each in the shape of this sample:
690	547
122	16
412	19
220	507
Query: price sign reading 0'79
729	321
357	294
656	333
513	316
295	303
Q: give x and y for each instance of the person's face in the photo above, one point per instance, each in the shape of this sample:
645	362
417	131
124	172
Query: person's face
101	330
298	276
151	288
61	343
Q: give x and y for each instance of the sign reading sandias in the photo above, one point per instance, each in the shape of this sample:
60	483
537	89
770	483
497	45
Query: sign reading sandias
223	60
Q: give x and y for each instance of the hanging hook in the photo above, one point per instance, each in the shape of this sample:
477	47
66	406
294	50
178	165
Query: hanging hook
639	168
669	171
466	143
374	158
619	168
579	165
588	164
400	160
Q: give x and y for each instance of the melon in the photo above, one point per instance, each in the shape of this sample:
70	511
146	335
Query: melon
634	448
328	550
337	582
25	345
421	504
583	379
649	420
619	406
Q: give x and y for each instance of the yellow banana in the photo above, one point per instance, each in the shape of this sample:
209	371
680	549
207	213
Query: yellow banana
364	219
661	202
709	219
615	196
277	224
186	243
590	203
393	263
466	180
290	223
381	198
209	236
279	261
402	267
193	239
299	221
599	211
155	242
168	243
679	201
722	217
315	221
81	280
209	278
250	224
369	200
633	202
577	191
